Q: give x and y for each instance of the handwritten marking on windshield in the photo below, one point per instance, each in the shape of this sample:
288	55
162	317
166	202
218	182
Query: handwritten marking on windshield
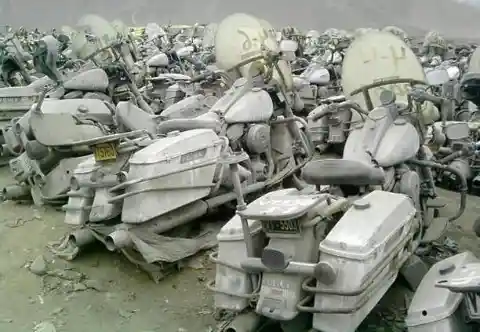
390	55
253	38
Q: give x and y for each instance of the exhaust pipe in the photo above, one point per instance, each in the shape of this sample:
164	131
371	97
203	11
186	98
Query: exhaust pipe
117	240
81	237
183	215
245	322
16	192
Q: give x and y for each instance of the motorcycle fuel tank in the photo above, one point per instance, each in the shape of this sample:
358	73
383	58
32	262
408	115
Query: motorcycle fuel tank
317	75
90	80
254	106
399	143
158	60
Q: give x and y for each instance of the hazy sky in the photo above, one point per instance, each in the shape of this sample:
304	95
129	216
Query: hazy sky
416	16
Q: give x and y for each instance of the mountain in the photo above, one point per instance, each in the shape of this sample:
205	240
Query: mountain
452	18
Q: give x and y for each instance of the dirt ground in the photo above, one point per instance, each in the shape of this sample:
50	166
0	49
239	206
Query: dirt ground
101	291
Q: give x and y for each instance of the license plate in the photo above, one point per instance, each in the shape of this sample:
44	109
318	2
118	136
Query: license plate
106	151
281	226
9	100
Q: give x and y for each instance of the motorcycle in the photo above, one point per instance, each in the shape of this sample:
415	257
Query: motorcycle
364	216
44	162
14	61
193	160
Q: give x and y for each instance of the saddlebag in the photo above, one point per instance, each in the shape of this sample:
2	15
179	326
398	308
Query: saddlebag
366	247
232	284
172	172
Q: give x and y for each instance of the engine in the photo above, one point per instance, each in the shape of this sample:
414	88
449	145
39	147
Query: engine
255	140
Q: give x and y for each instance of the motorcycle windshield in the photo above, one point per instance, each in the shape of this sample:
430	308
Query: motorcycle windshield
68	31
375	57
121	28
474	63
14	47
153	30
94	34
209	35
242	37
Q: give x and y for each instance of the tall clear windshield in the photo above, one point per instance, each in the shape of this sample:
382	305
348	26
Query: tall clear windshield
153	30
68	31
13	45
208	40
474	63
121	28
375	57
94	34
241	37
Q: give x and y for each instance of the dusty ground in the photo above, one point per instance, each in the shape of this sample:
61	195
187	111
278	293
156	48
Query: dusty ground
101	291
126	299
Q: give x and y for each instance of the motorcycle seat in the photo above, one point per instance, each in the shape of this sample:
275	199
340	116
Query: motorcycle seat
342	172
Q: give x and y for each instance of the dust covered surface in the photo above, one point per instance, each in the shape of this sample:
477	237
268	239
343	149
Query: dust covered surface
98	291
102	291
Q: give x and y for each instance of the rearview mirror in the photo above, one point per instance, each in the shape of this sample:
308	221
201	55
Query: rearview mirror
437	76
456	130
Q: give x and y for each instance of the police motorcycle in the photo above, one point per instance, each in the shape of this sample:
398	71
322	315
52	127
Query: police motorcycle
326	255
186	173
14	62
457	101
56	134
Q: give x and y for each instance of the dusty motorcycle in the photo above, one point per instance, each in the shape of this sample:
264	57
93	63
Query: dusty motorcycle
13	63
44	155
192	162
45	162
334	251
458	105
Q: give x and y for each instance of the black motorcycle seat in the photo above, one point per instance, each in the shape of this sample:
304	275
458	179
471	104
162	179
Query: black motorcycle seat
342	172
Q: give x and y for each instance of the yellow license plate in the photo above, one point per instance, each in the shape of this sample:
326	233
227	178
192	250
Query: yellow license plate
104	152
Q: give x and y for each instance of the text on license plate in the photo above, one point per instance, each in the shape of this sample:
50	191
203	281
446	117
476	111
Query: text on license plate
281	226
9	100
105	151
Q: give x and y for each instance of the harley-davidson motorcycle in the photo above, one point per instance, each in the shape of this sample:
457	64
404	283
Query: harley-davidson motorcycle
327	254
13	63
52	138
186	171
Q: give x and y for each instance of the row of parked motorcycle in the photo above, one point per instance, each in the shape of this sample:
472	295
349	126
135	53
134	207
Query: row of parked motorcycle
327	149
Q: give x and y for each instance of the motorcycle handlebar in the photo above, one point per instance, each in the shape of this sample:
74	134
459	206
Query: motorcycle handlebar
422	96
